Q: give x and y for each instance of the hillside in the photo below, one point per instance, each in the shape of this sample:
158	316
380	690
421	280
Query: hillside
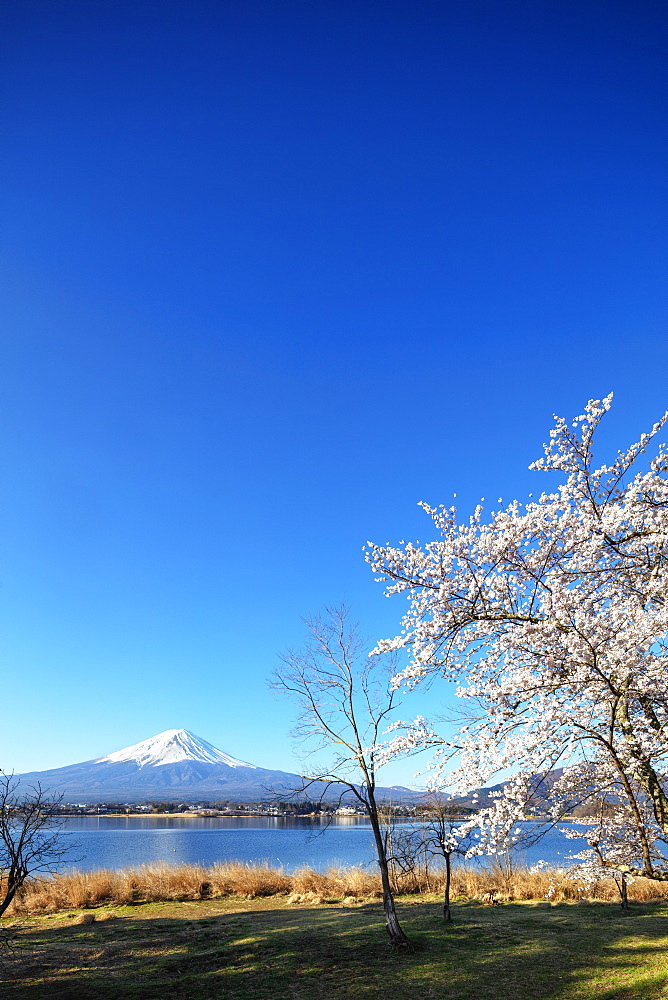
177	764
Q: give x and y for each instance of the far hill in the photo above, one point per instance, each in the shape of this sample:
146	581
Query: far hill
178	765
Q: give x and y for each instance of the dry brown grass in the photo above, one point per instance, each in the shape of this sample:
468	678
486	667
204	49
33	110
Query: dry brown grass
162	883
524	883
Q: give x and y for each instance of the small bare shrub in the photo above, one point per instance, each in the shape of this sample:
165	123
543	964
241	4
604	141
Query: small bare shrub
356	881
233	878
306	880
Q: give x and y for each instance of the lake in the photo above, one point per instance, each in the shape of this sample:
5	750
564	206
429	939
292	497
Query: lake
120	841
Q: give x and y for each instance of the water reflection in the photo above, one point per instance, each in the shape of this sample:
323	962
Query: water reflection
122	841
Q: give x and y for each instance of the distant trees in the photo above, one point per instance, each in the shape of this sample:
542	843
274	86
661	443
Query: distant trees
552	620
29	836
345	698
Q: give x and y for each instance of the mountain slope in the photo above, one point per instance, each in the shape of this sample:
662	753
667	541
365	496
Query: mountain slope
177	765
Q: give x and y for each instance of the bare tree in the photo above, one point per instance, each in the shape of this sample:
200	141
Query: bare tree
30	841
407	854
440	833
345	698
445	835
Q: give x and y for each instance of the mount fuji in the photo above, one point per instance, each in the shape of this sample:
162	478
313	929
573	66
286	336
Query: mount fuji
176	764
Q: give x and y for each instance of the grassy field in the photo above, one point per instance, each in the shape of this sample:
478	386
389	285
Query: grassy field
231	949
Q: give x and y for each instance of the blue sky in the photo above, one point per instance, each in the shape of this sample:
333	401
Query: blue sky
271	274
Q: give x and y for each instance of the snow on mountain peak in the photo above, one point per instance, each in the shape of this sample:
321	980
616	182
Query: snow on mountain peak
170	747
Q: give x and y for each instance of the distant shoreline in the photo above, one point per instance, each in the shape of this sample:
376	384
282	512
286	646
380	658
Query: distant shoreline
209	815
243	814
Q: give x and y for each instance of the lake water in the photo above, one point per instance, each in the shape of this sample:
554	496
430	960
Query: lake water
119	842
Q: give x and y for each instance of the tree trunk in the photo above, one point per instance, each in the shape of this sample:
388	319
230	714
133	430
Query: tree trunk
397	937
13	883
447	916
623	893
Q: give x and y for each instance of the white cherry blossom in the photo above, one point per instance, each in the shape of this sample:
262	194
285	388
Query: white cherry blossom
551	620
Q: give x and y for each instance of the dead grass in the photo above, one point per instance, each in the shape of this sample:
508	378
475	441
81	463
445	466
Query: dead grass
162	883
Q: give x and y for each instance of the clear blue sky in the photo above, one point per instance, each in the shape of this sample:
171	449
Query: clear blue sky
273	272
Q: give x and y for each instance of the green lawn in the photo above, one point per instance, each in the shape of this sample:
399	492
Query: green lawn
263	948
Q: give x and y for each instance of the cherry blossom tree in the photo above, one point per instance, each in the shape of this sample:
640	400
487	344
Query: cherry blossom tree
613	842
551	618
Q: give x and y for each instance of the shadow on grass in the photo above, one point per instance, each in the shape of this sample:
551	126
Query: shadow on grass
505	953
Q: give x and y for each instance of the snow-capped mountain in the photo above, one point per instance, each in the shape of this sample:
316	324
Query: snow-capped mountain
171	746
176	764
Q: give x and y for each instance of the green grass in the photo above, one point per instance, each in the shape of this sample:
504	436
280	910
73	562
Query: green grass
231	949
